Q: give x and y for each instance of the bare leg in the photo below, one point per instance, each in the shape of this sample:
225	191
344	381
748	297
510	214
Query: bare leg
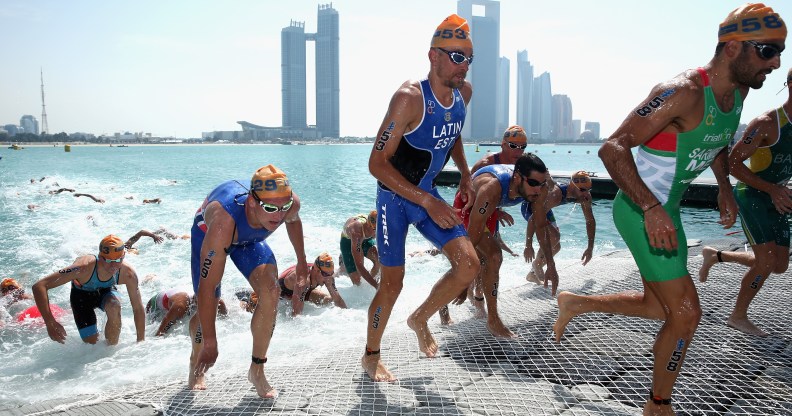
195	381
680	299
477	297
751	283
490	277
711	257
262	325
445	316
378	315
112	307
630	303
464	268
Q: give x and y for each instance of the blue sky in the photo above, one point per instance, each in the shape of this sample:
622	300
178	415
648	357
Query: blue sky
177	68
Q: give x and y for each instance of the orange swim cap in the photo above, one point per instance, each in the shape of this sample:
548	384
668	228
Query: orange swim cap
325	263
515	134
752	21
270	182
9	283
452	32
372	218
581	179
112	247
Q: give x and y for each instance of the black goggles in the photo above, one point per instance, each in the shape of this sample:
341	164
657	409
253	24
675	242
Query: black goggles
534	182
458	58
765	51
517	146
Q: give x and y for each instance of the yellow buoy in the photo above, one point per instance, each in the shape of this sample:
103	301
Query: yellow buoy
67	148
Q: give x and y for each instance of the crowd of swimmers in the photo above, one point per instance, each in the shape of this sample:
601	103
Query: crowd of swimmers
684	126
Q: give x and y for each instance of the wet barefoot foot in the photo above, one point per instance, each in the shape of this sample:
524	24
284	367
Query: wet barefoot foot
746	326
566	311
259	380
498	329
375	369
426	342
195	381
651	409
710	257
531	277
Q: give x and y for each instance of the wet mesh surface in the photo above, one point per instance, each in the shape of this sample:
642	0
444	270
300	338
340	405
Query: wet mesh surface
602	366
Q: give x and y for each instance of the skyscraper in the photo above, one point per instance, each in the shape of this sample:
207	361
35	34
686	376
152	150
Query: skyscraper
293	73
562	117
480	122
541	116
524	91
502	110
327	72
293	89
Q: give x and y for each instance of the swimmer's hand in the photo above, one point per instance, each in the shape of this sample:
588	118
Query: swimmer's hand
587	255
441	213
460	299
206	358
56	332
660	229
551	275
728	209
528	253
506	220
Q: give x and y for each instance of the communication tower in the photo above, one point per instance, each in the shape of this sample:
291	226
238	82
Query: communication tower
44	127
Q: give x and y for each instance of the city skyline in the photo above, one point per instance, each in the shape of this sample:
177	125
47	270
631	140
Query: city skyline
179	68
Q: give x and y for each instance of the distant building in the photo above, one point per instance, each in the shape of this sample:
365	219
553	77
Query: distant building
481	120
576	129
542	114
293	74
594	128
502	110
11	129
524	91
29	124
562	118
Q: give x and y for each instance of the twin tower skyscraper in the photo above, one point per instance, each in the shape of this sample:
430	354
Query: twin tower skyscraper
293	74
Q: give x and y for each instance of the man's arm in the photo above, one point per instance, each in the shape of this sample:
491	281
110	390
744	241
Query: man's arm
99	200
219	235
682	99
591	229
300	288
142	233
539	218
760	132
465	184
333	291
130	279
294	229
484	202
356	236
77	271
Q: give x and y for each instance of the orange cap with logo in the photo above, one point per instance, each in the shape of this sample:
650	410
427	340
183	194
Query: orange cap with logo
453	32
515	134
325	262
270	182
752	21
581	179
112	247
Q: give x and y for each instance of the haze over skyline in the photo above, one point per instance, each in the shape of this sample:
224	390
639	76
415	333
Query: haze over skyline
181	68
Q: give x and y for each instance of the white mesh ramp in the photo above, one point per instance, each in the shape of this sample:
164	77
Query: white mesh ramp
601	367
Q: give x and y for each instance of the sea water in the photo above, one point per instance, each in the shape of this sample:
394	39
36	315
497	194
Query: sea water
333	183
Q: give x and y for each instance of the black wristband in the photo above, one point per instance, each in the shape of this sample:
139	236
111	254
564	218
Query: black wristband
647	209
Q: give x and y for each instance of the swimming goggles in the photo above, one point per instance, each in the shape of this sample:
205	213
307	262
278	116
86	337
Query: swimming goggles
534	182
118	260
458	58
271	208
517	146
765	51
